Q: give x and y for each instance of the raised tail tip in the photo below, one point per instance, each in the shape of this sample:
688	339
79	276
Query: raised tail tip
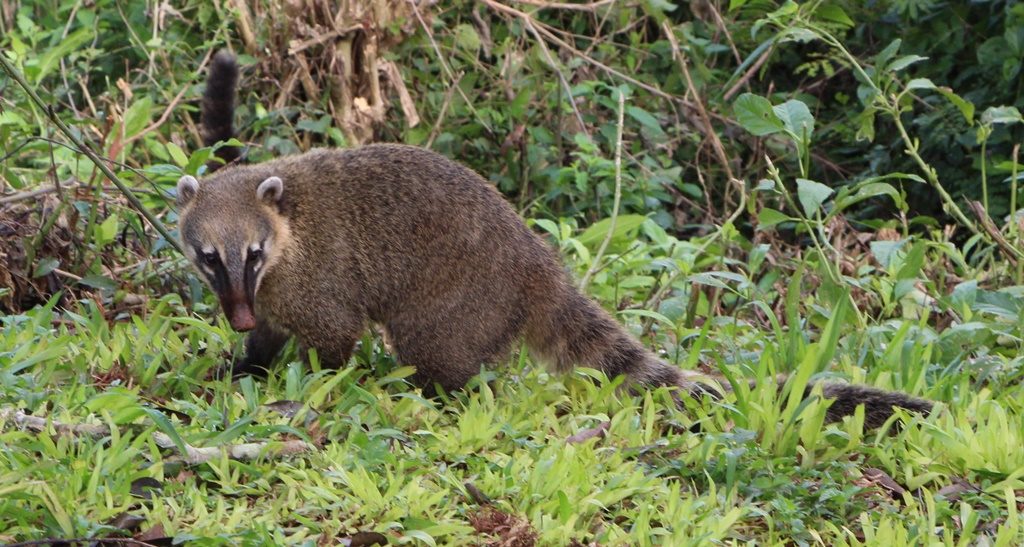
219	103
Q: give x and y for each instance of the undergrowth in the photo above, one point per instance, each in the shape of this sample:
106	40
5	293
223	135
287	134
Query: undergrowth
827	190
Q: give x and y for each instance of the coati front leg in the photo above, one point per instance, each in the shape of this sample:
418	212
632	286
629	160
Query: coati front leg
261	347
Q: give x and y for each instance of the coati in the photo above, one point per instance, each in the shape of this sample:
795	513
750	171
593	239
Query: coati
319	244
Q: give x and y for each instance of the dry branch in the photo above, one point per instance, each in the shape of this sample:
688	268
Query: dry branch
193	455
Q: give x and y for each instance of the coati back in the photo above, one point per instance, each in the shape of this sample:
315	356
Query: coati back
319	244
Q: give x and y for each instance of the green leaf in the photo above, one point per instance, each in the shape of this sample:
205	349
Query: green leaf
624	226
768	218
467	38
905	61
51	59
1001	115
796	118
866	125
834	14
97	281
107	231
177	154
165	426
812	195
884	250
920	83
883	57
137	116
318	126
197	160
45	266
870	190
646	119
756	115
966	107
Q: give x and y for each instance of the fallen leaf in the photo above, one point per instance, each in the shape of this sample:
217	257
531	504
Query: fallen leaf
601	430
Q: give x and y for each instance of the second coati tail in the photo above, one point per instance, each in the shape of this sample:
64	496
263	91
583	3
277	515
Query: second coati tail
219	105
573	330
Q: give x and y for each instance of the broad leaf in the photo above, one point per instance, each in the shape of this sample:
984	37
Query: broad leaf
812	195
756	115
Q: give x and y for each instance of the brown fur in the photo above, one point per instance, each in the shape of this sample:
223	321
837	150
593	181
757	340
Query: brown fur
405	238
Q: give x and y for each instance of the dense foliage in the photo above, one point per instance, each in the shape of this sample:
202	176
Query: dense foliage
828	189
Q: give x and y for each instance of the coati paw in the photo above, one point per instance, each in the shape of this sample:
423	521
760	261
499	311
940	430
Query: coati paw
236	370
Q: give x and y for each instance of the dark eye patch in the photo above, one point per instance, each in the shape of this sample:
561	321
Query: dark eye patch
210	259
254	254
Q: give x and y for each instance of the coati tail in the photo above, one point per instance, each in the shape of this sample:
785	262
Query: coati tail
219	104
878	403
574	330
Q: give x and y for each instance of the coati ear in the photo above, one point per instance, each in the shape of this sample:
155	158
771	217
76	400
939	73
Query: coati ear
187	188
270	190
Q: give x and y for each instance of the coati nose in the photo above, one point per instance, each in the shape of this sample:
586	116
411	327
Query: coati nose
242	319
238	309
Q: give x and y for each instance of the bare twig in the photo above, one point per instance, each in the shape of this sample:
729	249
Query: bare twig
296	46
595	264
74	541
561	77
87	150
749	73
593	6
436	129
562	43
245	26
1012	253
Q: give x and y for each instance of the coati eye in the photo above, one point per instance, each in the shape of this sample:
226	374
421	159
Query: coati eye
210	259
254	255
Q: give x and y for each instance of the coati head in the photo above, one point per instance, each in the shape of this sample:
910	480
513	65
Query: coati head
233	231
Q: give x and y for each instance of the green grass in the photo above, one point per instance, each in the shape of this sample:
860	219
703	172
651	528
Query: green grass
755	468
856	147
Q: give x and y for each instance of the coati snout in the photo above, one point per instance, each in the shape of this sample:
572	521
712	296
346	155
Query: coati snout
318	245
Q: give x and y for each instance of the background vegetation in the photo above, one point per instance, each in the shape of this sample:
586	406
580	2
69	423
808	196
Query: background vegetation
828	189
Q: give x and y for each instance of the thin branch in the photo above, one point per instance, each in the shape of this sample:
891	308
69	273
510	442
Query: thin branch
593	6
562	43
447	69
73	541
192	456
163	118
561	77
709	130
16	75
749	73
596	263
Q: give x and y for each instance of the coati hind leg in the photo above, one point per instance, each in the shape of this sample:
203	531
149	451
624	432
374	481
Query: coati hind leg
469	328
